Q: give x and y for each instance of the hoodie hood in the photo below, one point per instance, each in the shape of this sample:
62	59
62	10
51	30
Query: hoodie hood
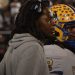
19	39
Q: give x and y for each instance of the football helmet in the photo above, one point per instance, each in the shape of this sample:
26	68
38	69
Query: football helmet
62	19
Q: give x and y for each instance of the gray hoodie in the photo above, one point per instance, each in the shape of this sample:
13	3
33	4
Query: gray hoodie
25	56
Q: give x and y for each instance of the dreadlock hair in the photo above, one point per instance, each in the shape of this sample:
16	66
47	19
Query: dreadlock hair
27	17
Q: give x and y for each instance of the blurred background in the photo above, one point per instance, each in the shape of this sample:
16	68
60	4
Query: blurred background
8	12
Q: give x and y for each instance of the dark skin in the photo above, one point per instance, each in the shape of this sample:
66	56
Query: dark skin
43	22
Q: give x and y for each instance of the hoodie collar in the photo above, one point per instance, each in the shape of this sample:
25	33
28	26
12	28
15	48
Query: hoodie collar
19	39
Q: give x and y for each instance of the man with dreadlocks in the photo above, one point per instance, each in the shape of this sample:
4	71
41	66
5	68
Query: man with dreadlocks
25	54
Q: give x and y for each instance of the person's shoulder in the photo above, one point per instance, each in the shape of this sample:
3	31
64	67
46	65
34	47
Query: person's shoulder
55	50
53	47
34	43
